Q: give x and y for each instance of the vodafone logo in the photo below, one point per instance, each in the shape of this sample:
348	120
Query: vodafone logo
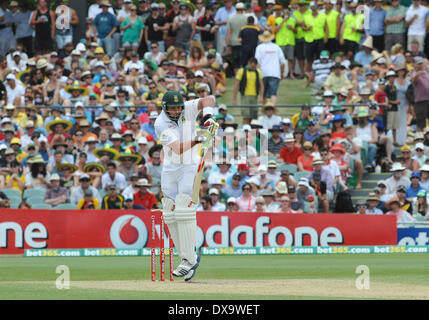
128	231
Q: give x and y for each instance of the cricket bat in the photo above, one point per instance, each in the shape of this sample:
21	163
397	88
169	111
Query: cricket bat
200	170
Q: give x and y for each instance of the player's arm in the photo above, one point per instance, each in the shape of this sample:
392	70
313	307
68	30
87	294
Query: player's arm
181	147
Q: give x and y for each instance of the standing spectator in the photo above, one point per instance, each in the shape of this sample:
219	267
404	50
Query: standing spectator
415	21
234	25
221	19
367	132
156	25
65	19
248	82
299	16
248	37
24	32
104	27
333	19
133	28
395	25
170	16
272	62
43	21
206	26
392	104
184	26
420	80
285	38
376	25
351	30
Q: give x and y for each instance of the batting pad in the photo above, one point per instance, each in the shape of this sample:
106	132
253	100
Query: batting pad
170	220
186	218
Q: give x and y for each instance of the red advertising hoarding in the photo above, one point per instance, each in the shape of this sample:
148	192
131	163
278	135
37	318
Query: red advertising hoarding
36	229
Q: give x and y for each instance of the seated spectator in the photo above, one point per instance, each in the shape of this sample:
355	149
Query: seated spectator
205	204
343	165
263	181
246	202
214	196
272	172
405	204
275	143
420	205
414	188
112	200
270	205
88	201
144	197
397	179
305	161
302	119
361	207
231	205
234	189
269	118
130	205
37	177
55	194
336	79
259	205
424	177
15	178
320	70
79	192
373	202
290	152
367	132
394	207
285	205
296	205
312	132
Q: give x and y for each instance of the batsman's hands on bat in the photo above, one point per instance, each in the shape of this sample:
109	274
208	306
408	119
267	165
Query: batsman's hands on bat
212	126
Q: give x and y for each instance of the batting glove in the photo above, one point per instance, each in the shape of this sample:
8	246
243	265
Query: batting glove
212	126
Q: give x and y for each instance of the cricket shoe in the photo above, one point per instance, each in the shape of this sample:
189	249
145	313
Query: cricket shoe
184	267
193	270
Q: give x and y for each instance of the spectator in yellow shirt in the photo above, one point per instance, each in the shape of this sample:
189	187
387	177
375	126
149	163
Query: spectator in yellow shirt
88	201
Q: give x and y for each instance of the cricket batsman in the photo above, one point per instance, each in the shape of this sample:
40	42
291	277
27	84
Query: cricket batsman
176	127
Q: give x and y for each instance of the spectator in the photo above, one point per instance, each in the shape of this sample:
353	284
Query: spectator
221	19
112	200
377	16
361	207
395	25
104	26
394	207
246	202
285	38
272	62
248	37
133	29
415	21
55	194
184	27
79	192
130	205
420	205
144	197
248	81
420	80
305	161
216	205
290	153
320	70
232	205
275	143
351	30
373	203
205	204
414	188
396	179
88	201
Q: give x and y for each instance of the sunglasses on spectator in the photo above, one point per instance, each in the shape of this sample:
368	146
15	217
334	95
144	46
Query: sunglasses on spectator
134	122
308	149
154	47
405	152
260	203
248	189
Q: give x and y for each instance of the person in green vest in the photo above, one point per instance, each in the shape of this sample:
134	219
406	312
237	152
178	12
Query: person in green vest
299	36
333	19
315	34
285	38
351	31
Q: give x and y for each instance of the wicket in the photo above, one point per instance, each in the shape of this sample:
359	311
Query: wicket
161	250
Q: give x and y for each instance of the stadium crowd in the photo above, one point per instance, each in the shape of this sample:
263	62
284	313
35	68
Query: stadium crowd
77	125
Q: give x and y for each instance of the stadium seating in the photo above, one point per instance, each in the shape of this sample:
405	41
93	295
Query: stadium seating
41	206
11	193
65	206
34	192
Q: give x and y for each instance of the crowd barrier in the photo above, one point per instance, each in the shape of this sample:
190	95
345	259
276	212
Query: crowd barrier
71	229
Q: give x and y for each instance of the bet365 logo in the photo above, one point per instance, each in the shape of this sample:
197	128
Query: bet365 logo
63	17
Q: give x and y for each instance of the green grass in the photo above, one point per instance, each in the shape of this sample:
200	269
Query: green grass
289	92
406	269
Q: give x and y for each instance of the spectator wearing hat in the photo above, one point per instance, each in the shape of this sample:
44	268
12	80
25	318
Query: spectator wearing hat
420	80
272	63
37	176
275	143
231	205
15	179
144	197
407	161
373	202
392	104
394	207
395	25
290	152
295	203
221	20
414	188
343	164
419	155
269	204
248	81
321	190
246	202
424	176
420	205
55	194
312	132
14	89
320	70
112	200
149	127
405	203
214	195
104	26
367	132
304	190
305	161
361	206
397	179
184	27
336	79
269	118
